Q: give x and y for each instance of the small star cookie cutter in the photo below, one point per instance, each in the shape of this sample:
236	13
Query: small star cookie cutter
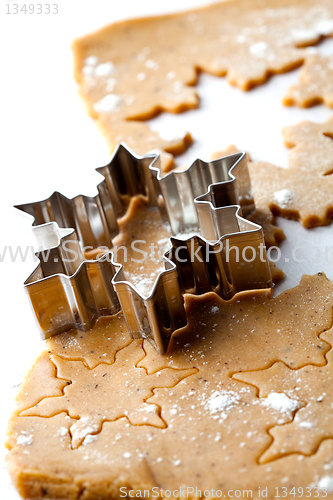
208	198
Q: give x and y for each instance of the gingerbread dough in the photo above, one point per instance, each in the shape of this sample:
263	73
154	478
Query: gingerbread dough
130	71
215	428
304	191
311	387
315	84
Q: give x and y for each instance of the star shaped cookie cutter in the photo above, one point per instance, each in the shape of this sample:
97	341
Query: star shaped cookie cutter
209	198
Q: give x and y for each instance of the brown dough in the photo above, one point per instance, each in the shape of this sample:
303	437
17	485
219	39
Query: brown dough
304	191
130	71
315	83
312	387
216	428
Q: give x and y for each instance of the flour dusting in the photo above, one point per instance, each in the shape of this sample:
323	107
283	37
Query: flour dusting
325	27
281	402
326	483
219	402
259	49
87	428
143	283
89	439
109	103
91	68
24	439
104	69
283	197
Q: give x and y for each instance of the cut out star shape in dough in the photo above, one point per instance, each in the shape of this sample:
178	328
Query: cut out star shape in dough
108	392
304	190
315	83
312	386
245	40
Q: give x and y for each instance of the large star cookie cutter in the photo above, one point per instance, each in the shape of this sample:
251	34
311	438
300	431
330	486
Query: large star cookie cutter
226	254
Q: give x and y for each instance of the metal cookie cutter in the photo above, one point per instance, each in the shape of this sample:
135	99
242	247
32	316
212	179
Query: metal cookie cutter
66	291
208	198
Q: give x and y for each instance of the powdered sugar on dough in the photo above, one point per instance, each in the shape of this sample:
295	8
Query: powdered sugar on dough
91	61
310	164
24	439
326	483
63	431
219	402
90	438
283	197
171	136
305	425
92	68
85	429
110	102
281	402
210	421
104	69
143	283
259	48
325	27
122	382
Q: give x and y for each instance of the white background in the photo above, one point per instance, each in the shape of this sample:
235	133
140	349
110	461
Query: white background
48	143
